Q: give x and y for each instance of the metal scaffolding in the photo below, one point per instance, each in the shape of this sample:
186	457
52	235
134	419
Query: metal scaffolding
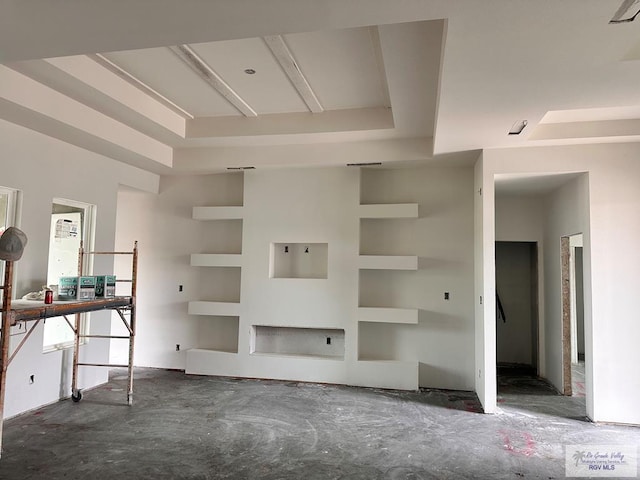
14	312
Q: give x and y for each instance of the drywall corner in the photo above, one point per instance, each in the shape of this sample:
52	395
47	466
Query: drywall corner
485	370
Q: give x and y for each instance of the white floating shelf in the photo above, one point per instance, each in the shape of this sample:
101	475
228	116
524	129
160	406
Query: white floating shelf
387	262
387	315
389	210
217	213
224	309
216	260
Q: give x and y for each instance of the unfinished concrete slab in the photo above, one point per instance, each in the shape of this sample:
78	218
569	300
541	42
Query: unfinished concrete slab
191	427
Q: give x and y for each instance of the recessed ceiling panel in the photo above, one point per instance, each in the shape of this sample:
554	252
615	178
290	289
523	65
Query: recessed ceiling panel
340	66
268	90
163	71
630	112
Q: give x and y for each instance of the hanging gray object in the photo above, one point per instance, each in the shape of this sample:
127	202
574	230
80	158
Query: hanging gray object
12	243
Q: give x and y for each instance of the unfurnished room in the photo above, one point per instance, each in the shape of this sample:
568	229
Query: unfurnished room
323	239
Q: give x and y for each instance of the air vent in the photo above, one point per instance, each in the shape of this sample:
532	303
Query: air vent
518	127
241	168
364	164
627	12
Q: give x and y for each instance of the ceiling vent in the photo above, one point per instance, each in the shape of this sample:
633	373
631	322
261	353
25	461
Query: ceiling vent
364	164
627	12
518	127
241	168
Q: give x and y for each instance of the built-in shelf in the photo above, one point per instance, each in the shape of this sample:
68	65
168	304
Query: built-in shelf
389	210
301	355
387	315
223	309
388	262
300	342
217	213
216	260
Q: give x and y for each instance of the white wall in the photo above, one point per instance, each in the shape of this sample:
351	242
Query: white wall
308	206
567	214
520	218
43	168
484	287
611	261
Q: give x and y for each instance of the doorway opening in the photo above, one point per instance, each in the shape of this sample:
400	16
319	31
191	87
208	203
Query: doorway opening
72	223
517	307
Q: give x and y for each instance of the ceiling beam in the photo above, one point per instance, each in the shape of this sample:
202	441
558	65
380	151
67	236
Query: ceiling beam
85	81
285	58
344	120
139	84
33	105
390	151
204	71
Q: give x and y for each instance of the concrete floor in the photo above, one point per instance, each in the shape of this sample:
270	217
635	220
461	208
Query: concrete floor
189	427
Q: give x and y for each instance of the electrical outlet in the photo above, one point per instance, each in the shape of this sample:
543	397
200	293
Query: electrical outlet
446	295
328	340
179	288
177	347
32	378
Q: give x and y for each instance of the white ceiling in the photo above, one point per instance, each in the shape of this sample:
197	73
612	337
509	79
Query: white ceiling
365	80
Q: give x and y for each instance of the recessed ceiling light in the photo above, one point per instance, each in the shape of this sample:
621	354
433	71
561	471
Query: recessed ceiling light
627	12
249	71
518	127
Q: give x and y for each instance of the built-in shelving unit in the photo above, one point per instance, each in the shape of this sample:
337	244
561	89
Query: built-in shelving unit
300	265
218	320
378	325
388	315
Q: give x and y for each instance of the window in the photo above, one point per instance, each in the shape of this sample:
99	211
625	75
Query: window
71	223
